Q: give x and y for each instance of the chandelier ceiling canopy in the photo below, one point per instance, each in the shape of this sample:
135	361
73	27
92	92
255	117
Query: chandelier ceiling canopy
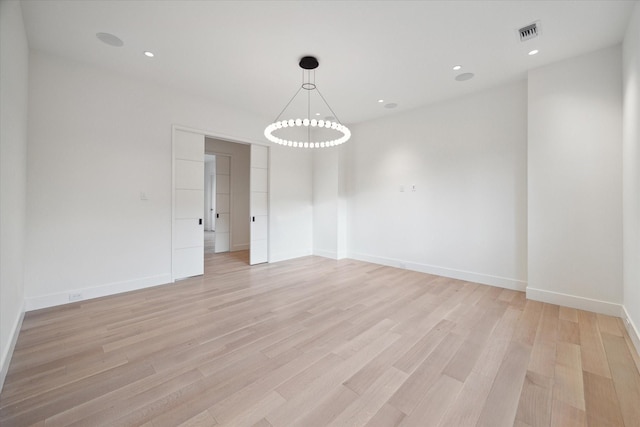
309	132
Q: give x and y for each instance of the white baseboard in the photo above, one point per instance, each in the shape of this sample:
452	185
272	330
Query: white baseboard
573	301
632	329
469	276
51	300
325	254
8	351
284	256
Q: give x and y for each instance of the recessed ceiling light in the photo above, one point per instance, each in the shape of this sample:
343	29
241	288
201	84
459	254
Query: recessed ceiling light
380	101
317	114
148	54
533	52
464	76
457	67
110	39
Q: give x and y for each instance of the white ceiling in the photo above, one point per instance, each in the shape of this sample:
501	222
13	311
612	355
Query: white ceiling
245	53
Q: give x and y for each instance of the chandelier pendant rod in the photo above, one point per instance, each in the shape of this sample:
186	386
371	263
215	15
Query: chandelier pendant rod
309	108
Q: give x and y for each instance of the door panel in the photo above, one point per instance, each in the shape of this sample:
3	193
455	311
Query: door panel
188	204
187	236
259	204
189	174
259	228
223	185
186	261
259	179
223	204
222	223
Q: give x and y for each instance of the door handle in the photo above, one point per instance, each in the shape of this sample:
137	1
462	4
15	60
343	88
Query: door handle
200	221
217	215
253	219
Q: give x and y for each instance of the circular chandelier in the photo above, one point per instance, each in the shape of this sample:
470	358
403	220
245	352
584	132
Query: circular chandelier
308	63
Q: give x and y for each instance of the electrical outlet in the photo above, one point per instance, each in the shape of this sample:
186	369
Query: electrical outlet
75	297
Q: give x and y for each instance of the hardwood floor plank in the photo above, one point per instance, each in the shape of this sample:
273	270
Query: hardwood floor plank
626	379
418	352
434	403
411	392
328	409
387	416
609	325
313	342
502	403
594	359
467	408
55	400
296	384
568	406
565	415
307	399
203	419
568	332
601	404
534	408
249	415
369	403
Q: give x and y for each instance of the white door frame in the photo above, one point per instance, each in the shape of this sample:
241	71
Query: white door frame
216	135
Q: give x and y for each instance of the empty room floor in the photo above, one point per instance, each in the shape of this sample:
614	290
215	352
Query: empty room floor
317	342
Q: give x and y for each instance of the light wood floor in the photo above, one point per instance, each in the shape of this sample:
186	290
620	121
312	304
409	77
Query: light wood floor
316	342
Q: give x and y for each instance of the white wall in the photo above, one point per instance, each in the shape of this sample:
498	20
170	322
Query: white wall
330	202
325	202
14	62
290	202
239	183
467	217
631	173
575	182
96	140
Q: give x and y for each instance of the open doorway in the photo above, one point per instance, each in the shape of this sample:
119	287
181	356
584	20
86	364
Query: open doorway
247	199
227	186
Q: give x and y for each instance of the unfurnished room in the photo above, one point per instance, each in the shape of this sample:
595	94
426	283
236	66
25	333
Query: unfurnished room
320	213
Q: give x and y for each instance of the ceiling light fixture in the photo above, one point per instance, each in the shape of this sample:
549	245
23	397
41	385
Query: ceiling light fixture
110	39
533	52
148	54
308	63
457	67
464	77
380	101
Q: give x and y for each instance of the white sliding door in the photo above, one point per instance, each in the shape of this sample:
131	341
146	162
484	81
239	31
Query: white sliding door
259	204
223	204
188	204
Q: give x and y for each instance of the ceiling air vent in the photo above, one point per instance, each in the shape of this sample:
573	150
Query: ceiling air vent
529	32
